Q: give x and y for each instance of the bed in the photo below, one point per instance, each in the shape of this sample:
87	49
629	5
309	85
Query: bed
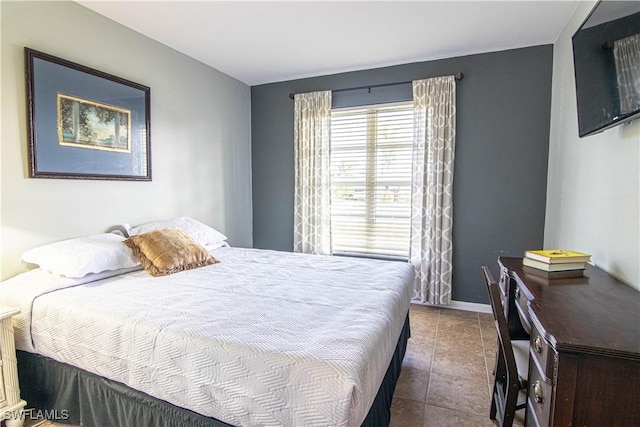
257	338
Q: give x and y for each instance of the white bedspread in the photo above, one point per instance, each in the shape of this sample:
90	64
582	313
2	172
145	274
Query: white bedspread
262	338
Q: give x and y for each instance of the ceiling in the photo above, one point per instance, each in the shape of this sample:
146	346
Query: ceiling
270	41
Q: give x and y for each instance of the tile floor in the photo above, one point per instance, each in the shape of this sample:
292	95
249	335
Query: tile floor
446	374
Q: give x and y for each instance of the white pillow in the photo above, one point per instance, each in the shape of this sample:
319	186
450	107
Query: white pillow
206	236
83	255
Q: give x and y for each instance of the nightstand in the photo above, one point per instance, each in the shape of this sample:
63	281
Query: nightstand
11	406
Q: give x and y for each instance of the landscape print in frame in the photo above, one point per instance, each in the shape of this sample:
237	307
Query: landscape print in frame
84	123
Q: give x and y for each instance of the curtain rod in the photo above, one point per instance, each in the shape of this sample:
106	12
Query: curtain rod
458	76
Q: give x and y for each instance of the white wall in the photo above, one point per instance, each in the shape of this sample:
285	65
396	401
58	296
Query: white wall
593	182
200	136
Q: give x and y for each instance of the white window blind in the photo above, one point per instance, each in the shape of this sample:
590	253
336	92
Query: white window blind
371	180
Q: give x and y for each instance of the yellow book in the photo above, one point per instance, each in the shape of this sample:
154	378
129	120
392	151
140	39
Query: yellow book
557	256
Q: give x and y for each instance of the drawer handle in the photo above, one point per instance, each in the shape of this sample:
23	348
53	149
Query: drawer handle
517	293
537	344
537	392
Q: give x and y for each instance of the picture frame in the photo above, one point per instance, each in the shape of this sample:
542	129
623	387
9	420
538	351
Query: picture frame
84	123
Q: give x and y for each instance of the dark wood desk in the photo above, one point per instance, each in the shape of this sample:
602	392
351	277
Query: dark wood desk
584	364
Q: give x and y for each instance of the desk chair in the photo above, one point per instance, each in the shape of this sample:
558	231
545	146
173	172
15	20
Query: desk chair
512	363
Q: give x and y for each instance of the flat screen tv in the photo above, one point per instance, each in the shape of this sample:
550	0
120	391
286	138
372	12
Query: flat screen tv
606	58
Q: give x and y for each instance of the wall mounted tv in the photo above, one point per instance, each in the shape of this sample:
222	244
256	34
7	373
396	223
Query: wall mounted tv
606	58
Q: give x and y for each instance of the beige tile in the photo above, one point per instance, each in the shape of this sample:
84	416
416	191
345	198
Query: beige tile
427	309
489	334
424	312
485	317
470	396
423	341
457	362
462	314
418	357
460	341
422	324
462	359
490	358
459	329
435	416
406	413
412	384
490	363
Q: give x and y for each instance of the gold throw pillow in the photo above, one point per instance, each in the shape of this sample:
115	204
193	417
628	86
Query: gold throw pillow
167	251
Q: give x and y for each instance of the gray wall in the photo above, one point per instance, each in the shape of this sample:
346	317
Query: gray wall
500	177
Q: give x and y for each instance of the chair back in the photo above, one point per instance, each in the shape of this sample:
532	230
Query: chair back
507	383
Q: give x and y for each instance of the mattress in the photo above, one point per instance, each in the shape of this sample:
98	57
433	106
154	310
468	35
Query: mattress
262	338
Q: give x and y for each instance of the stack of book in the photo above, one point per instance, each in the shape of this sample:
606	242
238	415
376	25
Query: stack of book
555	263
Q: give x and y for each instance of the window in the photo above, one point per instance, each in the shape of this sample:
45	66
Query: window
371	180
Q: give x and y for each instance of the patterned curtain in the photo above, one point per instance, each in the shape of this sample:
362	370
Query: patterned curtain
626	54
312	126
434	102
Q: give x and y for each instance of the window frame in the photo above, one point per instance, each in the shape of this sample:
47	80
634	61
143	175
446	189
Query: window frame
374	145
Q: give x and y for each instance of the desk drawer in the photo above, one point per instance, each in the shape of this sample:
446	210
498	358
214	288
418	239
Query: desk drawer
542	354
539	399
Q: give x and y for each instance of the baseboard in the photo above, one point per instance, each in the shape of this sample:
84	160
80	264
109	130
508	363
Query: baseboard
462	305
470	306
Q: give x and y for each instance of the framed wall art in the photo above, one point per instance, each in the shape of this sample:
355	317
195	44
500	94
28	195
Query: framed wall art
84	123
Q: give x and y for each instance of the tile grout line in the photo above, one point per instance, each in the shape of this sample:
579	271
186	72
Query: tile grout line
431	371
433	356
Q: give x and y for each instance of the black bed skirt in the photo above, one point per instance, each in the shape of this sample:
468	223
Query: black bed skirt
70	395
